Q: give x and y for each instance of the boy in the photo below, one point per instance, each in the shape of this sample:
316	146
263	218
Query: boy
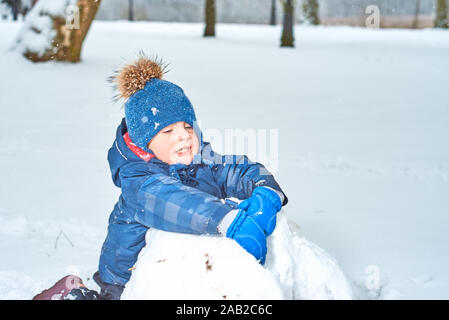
170	179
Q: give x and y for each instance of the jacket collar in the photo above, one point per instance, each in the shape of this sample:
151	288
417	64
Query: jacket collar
142	154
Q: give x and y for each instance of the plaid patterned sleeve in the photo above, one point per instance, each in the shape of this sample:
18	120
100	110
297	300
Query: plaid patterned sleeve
167	204
239	177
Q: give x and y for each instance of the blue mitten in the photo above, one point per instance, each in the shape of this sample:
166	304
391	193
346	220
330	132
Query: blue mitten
249	235
262	206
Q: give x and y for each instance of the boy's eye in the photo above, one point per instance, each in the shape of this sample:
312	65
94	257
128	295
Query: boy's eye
188	127
167	131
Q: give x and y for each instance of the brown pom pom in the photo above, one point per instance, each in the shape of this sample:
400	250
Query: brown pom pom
134	76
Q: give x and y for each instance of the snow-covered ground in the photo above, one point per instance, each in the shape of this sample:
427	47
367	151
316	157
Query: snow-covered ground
363	123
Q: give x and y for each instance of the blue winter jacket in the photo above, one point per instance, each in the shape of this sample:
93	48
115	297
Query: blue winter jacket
175	198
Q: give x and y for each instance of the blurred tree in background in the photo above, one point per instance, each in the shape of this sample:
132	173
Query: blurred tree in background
310	10
209	30
287	38
441	20
15	6
19	7
416	16
395	13
130	10
49	33
273	13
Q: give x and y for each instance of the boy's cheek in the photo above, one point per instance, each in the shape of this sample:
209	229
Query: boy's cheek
162	152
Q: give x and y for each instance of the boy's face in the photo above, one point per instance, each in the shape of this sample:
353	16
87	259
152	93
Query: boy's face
176	143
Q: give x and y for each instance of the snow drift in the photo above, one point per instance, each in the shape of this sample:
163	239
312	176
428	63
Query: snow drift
184	266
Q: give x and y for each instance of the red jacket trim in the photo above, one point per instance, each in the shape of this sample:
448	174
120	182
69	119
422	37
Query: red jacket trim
142	154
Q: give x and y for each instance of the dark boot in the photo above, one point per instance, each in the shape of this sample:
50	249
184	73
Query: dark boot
108	291
82	294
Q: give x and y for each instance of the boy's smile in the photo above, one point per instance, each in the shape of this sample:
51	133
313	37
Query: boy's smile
176	143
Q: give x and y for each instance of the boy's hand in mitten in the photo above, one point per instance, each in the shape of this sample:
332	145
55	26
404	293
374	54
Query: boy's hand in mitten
262	206
241	227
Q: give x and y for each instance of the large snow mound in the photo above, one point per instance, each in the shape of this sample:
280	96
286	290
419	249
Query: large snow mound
184	266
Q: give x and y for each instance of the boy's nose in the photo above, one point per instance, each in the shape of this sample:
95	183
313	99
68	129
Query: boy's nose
183	135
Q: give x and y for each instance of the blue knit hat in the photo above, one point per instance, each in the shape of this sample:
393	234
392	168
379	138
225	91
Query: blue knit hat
151	103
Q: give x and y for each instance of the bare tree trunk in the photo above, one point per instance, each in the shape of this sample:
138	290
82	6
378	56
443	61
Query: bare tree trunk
441	20
273	13
287	38
416	17
66	45
130	10
209	30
